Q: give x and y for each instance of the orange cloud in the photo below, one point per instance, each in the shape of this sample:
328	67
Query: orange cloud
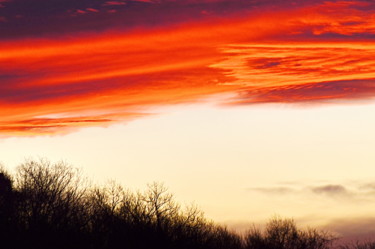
300	72
57	85
50	125
341	17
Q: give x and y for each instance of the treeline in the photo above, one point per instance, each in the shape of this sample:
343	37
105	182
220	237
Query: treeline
46	205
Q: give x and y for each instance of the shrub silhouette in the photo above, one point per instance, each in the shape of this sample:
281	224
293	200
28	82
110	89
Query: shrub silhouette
47	205
284	234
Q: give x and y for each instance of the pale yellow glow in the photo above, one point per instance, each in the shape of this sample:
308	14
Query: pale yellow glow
216	157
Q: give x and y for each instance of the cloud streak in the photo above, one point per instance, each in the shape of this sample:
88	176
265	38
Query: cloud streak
331	190
361	192
94	73
273	190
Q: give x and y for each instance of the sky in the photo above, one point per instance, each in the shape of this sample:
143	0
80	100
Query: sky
247	108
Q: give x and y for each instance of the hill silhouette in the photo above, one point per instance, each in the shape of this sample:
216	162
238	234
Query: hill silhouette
49	206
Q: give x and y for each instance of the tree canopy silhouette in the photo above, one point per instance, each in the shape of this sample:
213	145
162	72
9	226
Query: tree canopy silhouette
46	205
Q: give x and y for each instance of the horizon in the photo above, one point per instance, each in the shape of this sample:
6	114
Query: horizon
249	109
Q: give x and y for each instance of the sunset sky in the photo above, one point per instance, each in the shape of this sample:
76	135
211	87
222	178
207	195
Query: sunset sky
248	108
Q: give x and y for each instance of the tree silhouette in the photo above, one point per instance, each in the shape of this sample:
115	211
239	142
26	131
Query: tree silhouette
8	221
46	205
51	205
284	234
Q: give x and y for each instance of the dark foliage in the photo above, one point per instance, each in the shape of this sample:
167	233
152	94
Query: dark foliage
49	206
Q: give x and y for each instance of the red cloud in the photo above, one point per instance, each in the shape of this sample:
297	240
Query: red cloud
322	92
114	3
50	125
56	85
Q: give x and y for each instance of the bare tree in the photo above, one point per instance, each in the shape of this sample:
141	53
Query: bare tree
51	193
284	234
160	204
49	206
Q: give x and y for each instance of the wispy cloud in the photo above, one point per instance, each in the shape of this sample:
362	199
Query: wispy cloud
322	92
331	190
273	190
61	125
348	191
114	3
